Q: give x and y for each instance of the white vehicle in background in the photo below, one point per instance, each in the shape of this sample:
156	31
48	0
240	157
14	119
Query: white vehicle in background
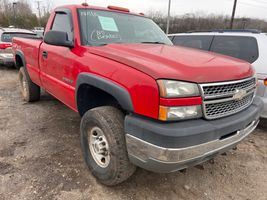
6	36
248	45
39	31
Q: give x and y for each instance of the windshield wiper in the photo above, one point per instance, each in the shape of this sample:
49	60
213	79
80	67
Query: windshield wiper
104	44
153	42
101	44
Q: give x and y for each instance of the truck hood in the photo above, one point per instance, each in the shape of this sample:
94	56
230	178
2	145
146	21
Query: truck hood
179	63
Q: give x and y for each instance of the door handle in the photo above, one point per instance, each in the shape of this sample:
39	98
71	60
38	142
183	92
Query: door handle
45	54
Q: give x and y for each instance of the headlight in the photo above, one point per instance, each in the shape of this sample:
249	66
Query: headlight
176	89
179	113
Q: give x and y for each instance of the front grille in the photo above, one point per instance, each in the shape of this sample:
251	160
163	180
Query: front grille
217	110
228	89
223	99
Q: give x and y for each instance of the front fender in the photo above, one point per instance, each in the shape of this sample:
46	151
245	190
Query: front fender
118	92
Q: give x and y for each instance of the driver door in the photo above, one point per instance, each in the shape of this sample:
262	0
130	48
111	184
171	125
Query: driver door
56	62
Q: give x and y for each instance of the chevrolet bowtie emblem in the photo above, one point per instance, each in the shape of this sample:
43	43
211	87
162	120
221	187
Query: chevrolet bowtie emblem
239	94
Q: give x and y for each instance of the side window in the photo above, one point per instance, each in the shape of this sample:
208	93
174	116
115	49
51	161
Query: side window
171	37
245	48
62	23
194	41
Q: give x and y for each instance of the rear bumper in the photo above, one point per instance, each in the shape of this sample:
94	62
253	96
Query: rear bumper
7	61
164	148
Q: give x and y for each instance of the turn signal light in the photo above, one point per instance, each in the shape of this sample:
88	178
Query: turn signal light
265	82
118	8
163	112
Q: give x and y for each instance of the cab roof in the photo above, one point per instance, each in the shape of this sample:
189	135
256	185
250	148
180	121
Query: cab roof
109	8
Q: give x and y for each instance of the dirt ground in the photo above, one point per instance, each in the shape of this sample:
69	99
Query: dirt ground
40	158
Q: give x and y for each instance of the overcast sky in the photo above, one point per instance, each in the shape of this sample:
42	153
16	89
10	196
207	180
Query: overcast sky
245	8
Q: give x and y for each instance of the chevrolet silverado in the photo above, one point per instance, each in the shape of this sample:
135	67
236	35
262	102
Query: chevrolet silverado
143	101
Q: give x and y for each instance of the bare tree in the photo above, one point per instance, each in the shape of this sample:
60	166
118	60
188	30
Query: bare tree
19	14
202	21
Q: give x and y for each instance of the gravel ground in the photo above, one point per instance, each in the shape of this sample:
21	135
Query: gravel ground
40	158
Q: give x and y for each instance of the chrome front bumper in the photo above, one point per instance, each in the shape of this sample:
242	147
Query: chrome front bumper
262	93
165	160
264	111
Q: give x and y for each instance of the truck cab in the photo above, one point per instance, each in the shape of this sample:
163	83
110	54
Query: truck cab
143	101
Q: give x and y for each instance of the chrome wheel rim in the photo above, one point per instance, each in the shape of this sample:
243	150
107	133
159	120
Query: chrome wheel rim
99	147
23	84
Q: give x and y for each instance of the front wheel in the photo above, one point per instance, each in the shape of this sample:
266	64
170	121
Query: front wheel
104	147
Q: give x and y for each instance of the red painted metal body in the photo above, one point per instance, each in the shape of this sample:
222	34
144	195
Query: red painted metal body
135	67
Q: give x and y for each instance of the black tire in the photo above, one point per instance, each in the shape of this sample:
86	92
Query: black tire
263	124
30	91
111	121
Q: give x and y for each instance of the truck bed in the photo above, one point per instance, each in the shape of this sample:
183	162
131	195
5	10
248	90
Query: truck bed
29	48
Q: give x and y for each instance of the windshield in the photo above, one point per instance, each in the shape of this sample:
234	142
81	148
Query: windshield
7	37
104	27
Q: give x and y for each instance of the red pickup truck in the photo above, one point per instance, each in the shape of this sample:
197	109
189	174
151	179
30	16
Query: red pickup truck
143	101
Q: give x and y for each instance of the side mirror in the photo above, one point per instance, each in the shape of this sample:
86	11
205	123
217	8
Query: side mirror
57	38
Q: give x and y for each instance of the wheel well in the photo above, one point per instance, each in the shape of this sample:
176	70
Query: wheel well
19	62
89	97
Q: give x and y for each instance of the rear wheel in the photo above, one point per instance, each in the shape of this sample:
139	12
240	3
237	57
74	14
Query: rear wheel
29	90
104	147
